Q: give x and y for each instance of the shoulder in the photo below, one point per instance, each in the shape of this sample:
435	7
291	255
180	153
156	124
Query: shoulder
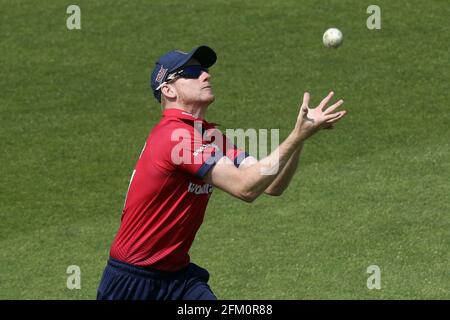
168	133
167	128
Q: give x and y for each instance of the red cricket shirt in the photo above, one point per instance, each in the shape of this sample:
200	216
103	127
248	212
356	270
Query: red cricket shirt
167	198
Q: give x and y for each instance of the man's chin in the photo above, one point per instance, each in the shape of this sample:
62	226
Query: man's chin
209	99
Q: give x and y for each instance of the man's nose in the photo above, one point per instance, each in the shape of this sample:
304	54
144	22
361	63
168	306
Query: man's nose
205	76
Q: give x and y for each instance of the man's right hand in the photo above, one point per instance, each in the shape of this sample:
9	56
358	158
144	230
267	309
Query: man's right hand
311	120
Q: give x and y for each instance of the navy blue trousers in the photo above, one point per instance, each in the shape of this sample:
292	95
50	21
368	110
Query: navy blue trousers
122	281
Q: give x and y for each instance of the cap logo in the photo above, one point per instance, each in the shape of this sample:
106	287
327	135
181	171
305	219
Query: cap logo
162	72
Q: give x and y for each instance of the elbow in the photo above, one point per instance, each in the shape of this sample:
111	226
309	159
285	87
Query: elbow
248	196
249	200
251	196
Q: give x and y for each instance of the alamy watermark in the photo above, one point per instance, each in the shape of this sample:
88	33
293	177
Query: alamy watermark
74	278
73	22
193	147
374	20
374	280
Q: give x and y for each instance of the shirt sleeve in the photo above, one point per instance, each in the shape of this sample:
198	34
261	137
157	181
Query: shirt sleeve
234	153
196	155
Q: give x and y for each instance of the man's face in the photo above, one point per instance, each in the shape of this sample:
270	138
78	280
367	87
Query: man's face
194	91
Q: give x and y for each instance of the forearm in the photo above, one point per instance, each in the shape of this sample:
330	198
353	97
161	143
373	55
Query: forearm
258	176
283	179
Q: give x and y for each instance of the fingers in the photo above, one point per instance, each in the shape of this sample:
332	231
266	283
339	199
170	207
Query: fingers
334	107
324	102
306	97
304	110
335	117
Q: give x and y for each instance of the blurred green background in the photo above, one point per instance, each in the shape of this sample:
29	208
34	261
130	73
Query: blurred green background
76	109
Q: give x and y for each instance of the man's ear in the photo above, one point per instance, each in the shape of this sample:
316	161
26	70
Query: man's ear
169	91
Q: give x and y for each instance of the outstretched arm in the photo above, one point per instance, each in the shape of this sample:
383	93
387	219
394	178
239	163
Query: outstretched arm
283	179
249	182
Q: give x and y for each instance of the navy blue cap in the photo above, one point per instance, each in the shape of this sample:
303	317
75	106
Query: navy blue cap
174	60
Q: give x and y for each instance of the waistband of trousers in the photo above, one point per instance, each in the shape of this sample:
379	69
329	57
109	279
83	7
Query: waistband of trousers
144	271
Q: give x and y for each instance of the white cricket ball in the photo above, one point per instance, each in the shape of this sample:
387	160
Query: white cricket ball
332	38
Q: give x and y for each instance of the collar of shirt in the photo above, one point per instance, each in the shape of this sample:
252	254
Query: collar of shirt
180	114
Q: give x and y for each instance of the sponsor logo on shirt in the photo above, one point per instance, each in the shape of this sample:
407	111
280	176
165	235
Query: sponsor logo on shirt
200	189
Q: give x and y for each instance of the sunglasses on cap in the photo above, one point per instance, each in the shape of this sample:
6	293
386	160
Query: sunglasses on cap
188	72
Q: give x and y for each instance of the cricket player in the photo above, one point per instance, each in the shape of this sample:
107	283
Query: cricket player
183	160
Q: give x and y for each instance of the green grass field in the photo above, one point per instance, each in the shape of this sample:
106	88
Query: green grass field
76	108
